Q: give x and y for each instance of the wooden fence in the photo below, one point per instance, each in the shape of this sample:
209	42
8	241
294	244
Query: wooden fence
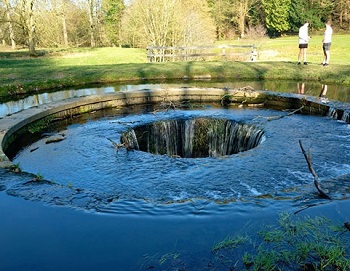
192	53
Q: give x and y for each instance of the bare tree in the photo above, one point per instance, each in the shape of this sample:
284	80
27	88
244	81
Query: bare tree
152	21
63	23
169	22
241	10
8	10
64	29
61	11
92	22
221	13
94	10
28	24
198	26
158	19
3	41
52	22
342	11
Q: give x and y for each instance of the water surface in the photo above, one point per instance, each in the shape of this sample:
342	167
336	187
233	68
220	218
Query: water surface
109	209
136	181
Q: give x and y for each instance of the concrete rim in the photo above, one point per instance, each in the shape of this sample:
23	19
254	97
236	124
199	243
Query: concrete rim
13	124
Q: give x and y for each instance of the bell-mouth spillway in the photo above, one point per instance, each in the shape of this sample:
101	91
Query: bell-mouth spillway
193	138
229	103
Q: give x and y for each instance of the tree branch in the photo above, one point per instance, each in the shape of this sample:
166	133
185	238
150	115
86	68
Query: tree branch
313	172
289	114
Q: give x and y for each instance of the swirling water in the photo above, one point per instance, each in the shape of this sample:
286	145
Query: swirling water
133	181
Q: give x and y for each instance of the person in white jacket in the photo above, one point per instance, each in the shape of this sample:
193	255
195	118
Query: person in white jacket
303	42
327	41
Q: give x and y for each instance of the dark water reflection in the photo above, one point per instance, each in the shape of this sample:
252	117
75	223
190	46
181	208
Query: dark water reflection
334	92
36	237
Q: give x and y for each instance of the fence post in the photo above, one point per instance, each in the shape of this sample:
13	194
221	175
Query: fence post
253	54
148	48
223	53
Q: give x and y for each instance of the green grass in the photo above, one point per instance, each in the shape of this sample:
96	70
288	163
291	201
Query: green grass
62	68
294	244
287	49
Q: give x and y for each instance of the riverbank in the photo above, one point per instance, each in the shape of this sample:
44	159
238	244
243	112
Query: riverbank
34	79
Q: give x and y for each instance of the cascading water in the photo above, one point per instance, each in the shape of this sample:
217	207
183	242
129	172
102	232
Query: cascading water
194	138
342	115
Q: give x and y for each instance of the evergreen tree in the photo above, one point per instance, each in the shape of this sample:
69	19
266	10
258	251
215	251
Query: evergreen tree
276	16
221	13
112	17
298	14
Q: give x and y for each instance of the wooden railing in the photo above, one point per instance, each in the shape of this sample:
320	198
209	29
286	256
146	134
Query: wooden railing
193	53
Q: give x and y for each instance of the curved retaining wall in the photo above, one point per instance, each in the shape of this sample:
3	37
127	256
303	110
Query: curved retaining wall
17	124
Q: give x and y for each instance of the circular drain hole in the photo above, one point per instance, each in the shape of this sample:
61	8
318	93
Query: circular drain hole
193	138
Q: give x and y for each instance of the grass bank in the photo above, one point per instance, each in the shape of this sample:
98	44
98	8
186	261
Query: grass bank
56	69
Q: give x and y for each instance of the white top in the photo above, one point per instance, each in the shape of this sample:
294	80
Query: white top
327	37
304	34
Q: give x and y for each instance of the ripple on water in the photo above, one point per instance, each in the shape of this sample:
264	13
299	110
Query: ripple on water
275	169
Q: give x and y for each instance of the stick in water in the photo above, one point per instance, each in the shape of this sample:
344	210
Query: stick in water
313	172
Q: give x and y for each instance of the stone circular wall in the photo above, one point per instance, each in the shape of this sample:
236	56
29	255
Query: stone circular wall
22	123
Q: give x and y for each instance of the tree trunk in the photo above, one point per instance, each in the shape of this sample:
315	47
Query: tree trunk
92	24
64	28
12	36
3	40
31	28
11	32
242	11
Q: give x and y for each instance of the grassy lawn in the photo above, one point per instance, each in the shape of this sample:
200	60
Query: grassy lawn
61	68
287	48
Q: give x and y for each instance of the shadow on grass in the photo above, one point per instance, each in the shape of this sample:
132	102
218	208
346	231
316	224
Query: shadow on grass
34	75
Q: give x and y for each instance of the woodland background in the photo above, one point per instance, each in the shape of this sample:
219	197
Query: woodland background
139	23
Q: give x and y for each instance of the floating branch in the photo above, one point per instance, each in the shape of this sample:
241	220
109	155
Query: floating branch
279	117
168	105
34	149
307	207
117	146
313	172
289	114
123	122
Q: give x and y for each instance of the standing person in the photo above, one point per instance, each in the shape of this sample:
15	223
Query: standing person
327	41
303	42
